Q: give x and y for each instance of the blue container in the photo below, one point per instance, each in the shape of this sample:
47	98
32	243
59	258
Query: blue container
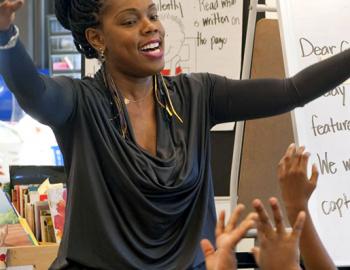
58	155
6	99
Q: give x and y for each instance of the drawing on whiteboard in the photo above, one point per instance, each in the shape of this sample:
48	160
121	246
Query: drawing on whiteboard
179	52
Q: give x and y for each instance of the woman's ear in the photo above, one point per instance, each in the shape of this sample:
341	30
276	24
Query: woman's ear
95	38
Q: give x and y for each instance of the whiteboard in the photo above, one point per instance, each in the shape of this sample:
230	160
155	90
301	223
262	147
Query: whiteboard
311	31
201	36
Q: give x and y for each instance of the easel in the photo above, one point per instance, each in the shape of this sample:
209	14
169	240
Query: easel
241	134
254	8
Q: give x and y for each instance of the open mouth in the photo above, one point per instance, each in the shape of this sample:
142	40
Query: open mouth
151	47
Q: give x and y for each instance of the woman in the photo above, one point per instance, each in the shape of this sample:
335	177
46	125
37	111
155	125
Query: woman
136	145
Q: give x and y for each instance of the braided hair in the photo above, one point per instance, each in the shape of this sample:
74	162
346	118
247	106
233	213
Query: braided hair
77	16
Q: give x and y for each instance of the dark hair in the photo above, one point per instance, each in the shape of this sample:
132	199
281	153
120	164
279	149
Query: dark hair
77	16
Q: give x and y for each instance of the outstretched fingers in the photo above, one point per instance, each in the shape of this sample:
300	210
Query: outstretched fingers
220	224
291	150
264	221
314	175
232	223
304	160
286	161
277	215
239	232
298	158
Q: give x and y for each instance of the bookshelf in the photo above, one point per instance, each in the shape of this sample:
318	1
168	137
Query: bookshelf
40	256
64	59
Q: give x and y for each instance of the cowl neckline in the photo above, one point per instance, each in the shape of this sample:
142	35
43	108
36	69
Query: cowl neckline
162	167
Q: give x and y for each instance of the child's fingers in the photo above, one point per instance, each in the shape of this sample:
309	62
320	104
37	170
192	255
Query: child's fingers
287	158
248	223
296	158
304	160
299	151
277	215
314	175
264	219
281	168
232	223
290	150
220	224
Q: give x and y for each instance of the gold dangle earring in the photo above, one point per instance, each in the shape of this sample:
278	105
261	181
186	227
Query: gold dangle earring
102	60
101	56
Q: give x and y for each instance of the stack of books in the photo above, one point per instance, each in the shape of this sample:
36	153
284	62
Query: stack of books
43	207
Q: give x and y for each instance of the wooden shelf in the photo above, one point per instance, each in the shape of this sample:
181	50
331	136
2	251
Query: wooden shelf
39	256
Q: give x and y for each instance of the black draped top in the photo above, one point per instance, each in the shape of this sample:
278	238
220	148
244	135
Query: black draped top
128	209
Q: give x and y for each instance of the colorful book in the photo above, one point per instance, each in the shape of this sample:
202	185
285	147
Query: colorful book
39	206
12	232
47	230
57	197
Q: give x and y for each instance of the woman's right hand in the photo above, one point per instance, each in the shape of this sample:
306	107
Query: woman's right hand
7	12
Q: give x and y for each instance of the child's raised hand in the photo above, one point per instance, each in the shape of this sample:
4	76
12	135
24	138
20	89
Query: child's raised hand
227	237
278	249
295	186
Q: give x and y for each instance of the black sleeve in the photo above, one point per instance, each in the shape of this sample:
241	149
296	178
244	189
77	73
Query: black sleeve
48	100
234	100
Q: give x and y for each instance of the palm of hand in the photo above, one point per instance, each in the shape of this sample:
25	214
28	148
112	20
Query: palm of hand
285	248
224	240
223	258
296	187
227	238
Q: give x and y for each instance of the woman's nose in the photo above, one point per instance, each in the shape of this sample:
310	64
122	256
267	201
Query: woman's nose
150	27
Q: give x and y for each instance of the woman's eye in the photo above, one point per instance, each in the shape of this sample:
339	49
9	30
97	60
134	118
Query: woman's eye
129	22
155	17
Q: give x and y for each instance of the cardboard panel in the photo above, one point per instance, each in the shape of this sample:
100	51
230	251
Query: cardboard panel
265	140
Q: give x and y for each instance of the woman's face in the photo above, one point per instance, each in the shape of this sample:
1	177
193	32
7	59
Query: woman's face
133	37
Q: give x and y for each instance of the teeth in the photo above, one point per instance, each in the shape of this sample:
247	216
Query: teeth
151	46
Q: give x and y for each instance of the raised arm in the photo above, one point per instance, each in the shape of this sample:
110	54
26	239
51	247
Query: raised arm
296	190
233	100
48	100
